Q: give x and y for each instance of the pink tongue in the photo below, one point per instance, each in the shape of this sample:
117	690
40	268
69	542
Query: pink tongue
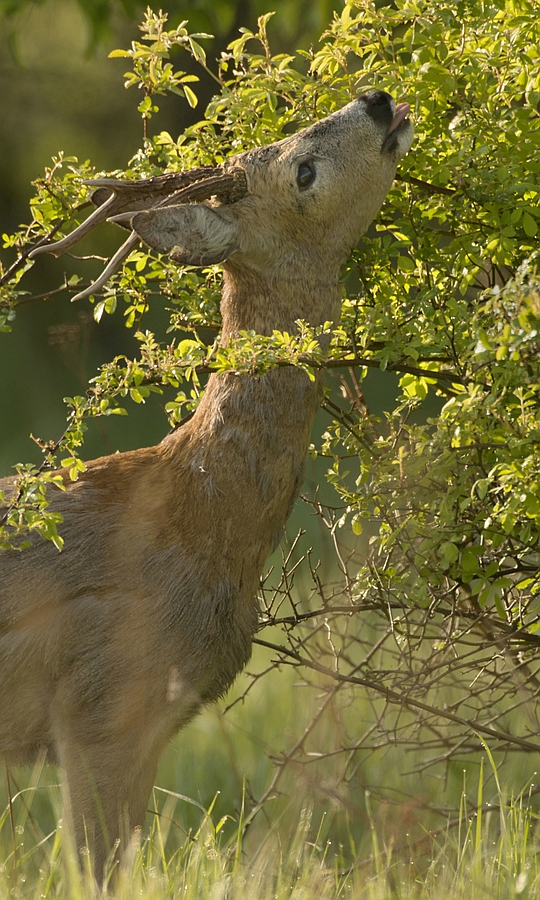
401	113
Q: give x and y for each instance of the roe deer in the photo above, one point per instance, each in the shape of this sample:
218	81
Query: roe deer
109	647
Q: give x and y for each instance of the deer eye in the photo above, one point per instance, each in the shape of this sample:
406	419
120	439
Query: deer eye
305	175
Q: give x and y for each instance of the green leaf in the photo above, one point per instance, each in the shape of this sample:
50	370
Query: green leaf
449	552
529	225
190	96
357	525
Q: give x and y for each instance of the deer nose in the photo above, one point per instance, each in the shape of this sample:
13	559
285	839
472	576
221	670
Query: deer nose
380	107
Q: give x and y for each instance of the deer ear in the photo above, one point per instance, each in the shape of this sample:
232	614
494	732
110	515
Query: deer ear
193	234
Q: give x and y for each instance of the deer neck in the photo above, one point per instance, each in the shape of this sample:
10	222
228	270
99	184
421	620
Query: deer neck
248	440
275	410
275	302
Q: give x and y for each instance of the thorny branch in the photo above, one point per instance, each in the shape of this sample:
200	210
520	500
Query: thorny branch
438	681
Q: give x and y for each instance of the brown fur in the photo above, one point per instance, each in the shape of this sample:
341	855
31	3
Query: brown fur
109	647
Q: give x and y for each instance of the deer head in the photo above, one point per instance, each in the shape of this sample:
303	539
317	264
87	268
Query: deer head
293	209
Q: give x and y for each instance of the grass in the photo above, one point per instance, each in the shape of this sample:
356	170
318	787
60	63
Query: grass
333	825
493	856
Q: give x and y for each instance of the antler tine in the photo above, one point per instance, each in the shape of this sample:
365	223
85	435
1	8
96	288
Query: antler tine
58	247
114	263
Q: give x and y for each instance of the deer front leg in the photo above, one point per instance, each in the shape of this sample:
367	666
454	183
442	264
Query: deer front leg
106	791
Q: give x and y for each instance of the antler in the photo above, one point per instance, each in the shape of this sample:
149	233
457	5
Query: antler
117	201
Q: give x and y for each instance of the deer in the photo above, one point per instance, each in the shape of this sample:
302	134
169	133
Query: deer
148	614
